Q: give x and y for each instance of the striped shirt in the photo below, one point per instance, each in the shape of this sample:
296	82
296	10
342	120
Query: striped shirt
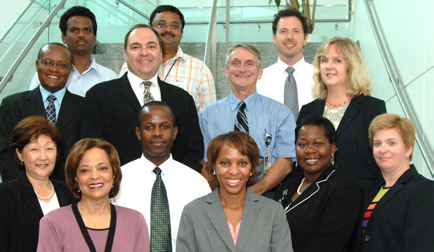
190	74
265	116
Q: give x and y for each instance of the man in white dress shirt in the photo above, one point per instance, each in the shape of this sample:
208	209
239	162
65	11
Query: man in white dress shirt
78	26
156	131
290	36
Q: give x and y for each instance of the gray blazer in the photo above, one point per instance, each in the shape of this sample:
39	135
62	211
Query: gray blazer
204	226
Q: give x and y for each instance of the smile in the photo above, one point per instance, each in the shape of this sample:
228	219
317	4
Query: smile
233	182
53	76
311	161
95	186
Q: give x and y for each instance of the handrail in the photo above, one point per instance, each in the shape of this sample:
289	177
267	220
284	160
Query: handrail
16	21
211	38
29	45
396	82
132	8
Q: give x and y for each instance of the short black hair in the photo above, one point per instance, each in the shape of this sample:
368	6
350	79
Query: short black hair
55	44
137	26
150	104
76	11
320	121
290	13
170	8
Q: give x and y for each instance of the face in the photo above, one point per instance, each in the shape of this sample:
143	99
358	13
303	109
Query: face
243	70
290	39
172	33
313	150
390	151
39	157
95	175
334	68
156	133
143	53
79	35
53	77
232	170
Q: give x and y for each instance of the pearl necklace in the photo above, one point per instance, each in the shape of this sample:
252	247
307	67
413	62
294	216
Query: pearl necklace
340	104
44	198
299	187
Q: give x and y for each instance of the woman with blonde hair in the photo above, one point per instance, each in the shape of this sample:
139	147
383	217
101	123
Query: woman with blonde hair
342	88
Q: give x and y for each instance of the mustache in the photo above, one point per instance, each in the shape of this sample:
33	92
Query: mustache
168	33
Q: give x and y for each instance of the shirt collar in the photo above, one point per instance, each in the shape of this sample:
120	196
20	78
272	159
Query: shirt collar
165	167
178	56
59	94
93	65
282	66
250	100
135	79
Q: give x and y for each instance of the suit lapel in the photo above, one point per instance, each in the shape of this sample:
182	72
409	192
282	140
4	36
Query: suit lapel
352	110
250	212
125	91
34	103
28	195
218	218
68	109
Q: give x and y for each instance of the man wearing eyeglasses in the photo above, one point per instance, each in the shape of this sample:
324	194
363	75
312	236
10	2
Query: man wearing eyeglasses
78	26
51	100
179	68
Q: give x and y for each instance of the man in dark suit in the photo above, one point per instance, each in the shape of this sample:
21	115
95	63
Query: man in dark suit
111	107
53	66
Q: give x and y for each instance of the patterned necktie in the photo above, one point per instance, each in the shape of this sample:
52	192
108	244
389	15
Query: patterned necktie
161	240
290	92
50	111
147	96
241	123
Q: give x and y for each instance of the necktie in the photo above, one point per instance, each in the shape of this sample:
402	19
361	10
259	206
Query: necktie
161	240
241	123
290	93
50	111
147	96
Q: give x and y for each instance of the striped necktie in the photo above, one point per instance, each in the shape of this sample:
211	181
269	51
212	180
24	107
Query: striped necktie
241	123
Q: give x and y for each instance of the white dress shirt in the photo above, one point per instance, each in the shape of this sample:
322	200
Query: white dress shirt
272	83
139	88
182	183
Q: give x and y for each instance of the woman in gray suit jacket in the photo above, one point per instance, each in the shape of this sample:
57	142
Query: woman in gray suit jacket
24	201
232	217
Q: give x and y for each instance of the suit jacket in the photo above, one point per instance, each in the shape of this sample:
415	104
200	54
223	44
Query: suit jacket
16	107
21	212
403	219
354	155
324	217
204	226
111	110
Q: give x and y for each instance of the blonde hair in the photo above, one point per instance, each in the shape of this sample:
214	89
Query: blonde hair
359	81
392	121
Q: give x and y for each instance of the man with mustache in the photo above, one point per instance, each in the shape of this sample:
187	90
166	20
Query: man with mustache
111	107
50	99
78	26
179	68
156	130
290	36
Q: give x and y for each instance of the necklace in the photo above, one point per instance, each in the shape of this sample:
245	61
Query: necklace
44	198
340	104
299	187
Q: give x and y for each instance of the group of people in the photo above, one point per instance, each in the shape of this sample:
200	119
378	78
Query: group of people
311	137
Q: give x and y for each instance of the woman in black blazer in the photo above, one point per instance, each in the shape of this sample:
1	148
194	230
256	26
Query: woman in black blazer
398	215
321	204
24	201
343	87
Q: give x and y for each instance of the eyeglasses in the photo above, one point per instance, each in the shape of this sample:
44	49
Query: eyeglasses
51	63
173	26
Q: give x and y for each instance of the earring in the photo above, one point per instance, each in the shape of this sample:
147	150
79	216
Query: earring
251	174
296	164
333	159
112	192
407	157
22	163
213	173
78	192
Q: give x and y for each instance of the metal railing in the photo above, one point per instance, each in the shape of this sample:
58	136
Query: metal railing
132	8
396	81
29	45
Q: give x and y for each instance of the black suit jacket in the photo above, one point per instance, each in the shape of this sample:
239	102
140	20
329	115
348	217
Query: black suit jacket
16	107
111	110
354	155
324	217
403	219
21	212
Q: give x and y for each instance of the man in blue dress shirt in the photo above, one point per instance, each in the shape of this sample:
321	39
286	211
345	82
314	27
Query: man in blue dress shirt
269	122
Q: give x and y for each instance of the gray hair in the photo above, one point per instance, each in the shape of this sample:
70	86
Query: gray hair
248	47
